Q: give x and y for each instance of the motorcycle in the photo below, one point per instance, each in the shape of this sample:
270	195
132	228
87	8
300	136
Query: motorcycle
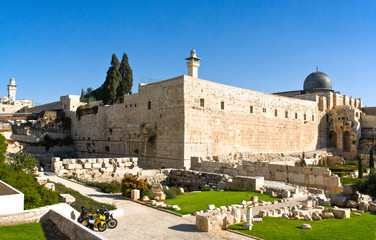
86	219
100	221
110	220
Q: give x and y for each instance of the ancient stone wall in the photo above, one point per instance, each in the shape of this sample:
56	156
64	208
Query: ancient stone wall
45	107
221	119
148	124
305	176
95	169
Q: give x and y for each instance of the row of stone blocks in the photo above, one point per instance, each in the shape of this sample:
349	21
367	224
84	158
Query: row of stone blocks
89	169
307	176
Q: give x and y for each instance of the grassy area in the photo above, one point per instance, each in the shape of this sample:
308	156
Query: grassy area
32	231
356	227
35	194
81	200
347	180
195	201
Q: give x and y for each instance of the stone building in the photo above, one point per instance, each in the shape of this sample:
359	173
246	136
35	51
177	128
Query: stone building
10	104
168	122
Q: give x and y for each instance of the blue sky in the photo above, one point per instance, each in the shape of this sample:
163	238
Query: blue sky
55	48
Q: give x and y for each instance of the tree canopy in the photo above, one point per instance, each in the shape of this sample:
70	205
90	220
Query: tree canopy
119	81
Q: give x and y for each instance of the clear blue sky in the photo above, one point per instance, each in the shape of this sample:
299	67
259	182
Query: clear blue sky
55	48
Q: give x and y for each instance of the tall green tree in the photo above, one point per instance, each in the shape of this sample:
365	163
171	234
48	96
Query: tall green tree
126	83
82	97
360	167
113	78
3	148
371	162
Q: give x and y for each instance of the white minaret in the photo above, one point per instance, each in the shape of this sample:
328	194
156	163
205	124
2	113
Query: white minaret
193	64
12	89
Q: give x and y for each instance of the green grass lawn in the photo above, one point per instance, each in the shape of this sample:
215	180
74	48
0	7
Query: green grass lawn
195	201
356	227
347	180
81	200
32	231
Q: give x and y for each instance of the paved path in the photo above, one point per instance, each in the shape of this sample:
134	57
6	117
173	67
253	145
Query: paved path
142	222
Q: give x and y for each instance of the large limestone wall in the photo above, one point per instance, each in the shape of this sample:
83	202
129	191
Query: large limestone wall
211	131
305	176
131	129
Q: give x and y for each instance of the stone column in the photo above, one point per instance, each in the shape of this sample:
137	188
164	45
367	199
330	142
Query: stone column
249	218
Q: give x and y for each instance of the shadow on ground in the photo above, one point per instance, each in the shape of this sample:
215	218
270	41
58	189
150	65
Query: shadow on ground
184	228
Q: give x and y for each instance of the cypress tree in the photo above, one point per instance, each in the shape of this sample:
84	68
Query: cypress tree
360	167
126	83
371	162
82	98
113	78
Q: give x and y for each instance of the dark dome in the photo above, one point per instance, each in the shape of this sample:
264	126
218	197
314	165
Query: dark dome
317	80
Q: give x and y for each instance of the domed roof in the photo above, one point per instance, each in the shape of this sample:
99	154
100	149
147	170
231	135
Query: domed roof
317	80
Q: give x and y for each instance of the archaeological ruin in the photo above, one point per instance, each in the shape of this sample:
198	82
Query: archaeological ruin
194	124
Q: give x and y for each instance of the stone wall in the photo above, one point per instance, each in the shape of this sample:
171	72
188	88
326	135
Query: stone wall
221	119
45	107
95	169
317	177
148	124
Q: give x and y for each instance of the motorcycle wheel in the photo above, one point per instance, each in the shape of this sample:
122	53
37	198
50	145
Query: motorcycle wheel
102	227
85	223
112	223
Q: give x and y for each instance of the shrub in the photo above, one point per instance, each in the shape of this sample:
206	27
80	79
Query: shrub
368	187
111	187
148	193
3	148
35	194
130	182
172	192
90	204
205	188
371	162
23	161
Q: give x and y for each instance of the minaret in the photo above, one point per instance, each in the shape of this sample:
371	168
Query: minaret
12	89
193	64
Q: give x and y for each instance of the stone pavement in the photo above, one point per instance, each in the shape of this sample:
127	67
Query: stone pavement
142	222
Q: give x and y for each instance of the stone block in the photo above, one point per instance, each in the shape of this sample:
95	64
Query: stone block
41	180
50	186
298	178
349	189
307	218
237	214
70	166
87	165
67	161
135	194
363	206
316	216
210	223
286	194
372	207
96	165
67	198
340	213
211	207
160	195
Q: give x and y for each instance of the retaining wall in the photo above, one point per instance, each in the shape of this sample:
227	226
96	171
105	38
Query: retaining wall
317	177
